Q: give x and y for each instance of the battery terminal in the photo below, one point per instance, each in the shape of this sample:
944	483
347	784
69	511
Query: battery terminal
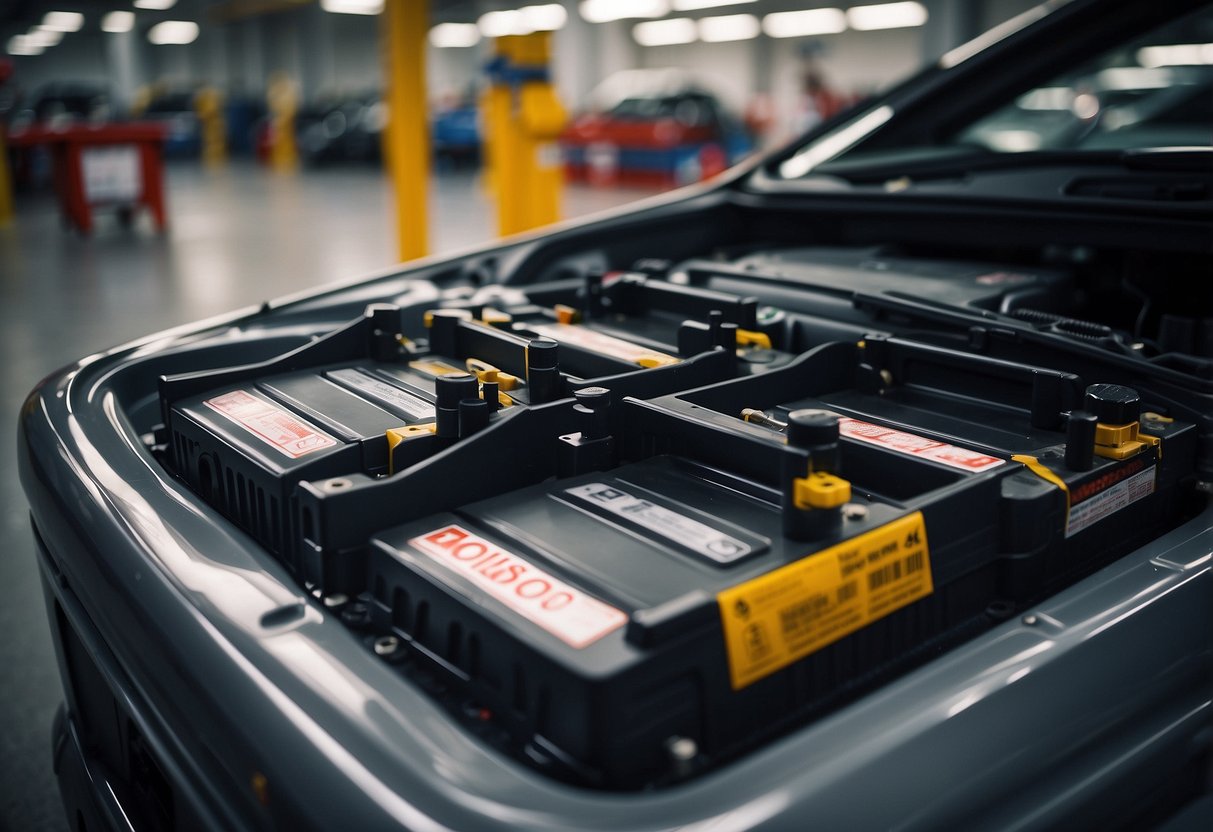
821	490
757	417
750	338
1118	429
566	314
484	371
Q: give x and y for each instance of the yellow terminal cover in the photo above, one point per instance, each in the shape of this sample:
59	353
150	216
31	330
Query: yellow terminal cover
485	371
651	361
821	490
433	367
781	617
750	338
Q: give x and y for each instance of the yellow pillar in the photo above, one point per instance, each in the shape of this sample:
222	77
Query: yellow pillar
283	104
6	184
524	119
405	25
208	104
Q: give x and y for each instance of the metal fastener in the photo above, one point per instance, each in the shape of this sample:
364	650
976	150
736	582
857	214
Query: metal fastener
386	645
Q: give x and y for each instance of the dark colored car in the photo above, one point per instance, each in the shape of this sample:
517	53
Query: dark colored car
183	134
341	129
63	103
865	487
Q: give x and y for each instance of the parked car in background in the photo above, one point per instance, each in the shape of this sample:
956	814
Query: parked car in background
341	128
176	111
663	127
62	103
455	134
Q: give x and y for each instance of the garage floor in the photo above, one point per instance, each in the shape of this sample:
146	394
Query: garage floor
237	237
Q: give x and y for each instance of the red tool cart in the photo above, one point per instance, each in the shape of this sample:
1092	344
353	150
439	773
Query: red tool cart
111	165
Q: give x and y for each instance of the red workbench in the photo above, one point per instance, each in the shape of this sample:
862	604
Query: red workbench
118	165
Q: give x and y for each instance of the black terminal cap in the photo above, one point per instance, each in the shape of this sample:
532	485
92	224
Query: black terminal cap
473	416
542	354
1113	404
593	397
1080	440
451	389
809	428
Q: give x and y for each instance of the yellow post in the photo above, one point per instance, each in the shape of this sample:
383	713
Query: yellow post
283	104
6	184
208	104
405	25
524	119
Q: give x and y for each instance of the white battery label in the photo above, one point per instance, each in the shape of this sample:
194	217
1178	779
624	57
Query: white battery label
673	526
271	424
414	407
564	611
917	446
1108	493
603	344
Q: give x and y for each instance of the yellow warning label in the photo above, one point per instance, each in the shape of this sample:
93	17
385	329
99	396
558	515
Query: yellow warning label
783	616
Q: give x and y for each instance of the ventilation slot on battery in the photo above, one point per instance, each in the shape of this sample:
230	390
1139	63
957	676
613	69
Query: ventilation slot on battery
242	500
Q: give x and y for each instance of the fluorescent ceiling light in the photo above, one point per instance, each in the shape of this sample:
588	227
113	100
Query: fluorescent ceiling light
604	11
1135	78
1176	54
1047	98
173	32
155	5
665	32
118	22
805	23
20	45
692	5
887	16
45	38
352	6
540	18
62	21
547	17
728	27
454	35
500	24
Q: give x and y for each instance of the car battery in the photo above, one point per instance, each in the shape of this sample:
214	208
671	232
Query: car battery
367	402
747	568
1108	463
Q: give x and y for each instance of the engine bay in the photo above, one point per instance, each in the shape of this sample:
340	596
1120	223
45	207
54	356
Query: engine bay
629	523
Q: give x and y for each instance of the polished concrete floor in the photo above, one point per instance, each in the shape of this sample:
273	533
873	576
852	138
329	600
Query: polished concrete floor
236	237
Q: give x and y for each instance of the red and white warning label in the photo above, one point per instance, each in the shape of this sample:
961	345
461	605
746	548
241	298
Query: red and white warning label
1109	491
917	446
271	424
564	611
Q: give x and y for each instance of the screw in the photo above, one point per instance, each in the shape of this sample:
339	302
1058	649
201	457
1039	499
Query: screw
682	750
854	511
1031	620
337	484
386	645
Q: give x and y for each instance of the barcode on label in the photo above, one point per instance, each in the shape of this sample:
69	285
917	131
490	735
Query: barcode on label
894	571
782	616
